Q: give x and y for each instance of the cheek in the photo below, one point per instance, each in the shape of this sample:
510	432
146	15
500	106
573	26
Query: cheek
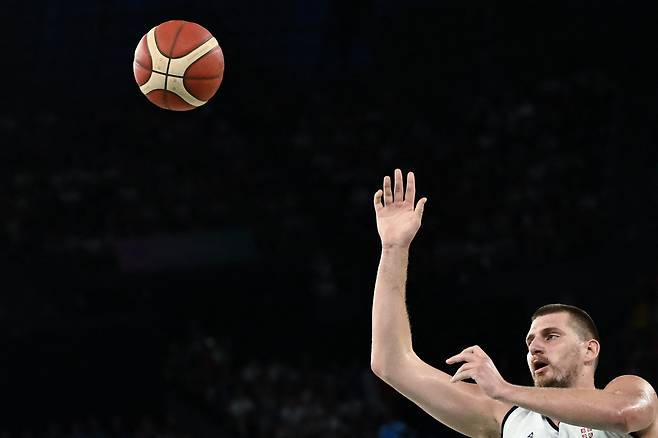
568	358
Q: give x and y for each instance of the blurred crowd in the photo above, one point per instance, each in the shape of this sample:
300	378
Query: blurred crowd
272	397
115	427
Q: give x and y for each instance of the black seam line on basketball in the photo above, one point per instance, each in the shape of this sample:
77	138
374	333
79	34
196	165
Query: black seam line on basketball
209	38
192	78
173	44
177	76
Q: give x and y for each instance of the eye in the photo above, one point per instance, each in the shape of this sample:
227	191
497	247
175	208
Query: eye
551	336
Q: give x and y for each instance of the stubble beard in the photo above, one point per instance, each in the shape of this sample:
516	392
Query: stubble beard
565	380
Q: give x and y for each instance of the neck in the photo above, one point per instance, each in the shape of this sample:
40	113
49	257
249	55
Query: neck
585	380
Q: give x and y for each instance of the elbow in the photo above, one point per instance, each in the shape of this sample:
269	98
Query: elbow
621	421
378	367
632	419
386	368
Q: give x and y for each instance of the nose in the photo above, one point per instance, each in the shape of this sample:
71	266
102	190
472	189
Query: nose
535	347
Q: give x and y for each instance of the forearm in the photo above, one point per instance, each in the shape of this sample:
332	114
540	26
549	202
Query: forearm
391	333
581	407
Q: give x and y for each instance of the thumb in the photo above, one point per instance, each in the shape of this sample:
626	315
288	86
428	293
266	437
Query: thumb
420	207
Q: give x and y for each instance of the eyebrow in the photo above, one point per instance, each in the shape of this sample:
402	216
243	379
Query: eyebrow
544	331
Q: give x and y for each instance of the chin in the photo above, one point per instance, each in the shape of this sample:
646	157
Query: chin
551	382
545	383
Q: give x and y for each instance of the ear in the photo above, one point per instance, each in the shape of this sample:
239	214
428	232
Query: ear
593	348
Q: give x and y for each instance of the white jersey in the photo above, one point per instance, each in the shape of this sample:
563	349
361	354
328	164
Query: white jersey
522	423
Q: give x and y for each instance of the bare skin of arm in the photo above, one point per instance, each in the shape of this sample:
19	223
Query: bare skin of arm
626	404
461	406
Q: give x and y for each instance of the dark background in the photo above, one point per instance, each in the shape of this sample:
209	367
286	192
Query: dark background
210	273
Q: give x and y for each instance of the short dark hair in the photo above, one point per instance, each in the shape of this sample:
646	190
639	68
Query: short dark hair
583	323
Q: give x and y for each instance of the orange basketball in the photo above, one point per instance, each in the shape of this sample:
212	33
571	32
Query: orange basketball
178	65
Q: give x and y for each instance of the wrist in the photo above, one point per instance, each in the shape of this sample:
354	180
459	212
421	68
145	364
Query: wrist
506	393
395	246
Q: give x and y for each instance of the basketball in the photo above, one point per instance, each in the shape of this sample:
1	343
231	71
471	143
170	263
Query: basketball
178	65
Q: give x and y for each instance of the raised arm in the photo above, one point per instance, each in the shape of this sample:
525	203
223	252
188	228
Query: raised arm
461	406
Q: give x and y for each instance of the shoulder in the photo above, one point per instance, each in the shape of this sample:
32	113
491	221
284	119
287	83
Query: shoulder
631	384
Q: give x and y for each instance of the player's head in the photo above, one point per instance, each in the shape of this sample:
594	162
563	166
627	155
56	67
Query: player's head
563	346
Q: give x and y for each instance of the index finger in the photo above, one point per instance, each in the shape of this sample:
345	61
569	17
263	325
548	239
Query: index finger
388	194
461	357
